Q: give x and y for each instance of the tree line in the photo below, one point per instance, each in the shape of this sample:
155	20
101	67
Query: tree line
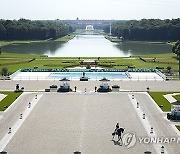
146	29
23	29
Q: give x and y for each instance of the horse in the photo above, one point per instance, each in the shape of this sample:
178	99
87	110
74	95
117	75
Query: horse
118	133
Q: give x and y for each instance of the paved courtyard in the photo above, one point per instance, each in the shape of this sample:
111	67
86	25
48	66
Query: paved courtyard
68	122
64	123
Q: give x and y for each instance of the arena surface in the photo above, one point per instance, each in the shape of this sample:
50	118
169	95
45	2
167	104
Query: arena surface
83	121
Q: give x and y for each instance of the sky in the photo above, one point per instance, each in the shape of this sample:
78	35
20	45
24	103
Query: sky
89	9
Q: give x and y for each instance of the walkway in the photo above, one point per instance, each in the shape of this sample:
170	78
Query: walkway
124	85
64	123
68	122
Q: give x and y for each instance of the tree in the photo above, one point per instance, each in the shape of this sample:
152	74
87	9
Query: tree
2	32
0	49
146	29
169	68
176	50
88	66
4	71
36	30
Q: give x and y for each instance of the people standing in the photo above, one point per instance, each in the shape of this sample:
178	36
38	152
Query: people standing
117	127
95	88
115	131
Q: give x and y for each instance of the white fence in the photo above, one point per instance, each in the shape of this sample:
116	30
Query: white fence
46	78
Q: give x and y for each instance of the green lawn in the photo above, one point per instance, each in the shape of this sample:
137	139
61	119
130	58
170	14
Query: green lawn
160	100
66	38
9	99
3	43
62	39
162	60
178	127
15	62
10	56
177	97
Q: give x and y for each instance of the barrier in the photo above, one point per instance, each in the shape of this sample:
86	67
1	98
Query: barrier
92	74
46	78
161	74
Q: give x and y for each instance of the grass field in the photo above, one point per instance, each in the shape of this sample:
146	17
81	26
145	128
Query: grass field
161	100
3	43
66	38
62	39
16	61
178	127
162	60
9	99
177	97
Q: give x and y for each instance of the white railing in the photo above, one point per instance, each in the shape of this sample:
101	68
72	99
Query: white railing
14	74
161	74
46	78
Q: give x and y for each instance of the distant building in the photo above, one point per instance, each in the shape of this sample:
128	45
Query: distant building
89	28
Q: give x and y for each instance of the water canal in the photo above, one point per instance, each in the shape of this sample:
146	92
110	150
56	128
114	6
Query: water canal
88	46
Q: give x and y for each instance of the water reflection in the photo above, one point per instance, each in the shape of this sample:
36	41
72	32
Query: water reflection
33	48
88	46
137	48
